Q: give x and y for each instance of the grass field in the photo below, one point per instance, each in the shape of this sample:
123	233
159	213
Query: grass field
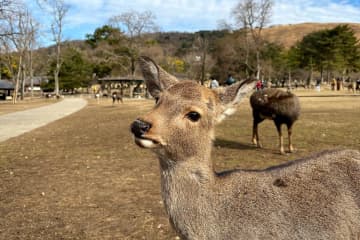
82	177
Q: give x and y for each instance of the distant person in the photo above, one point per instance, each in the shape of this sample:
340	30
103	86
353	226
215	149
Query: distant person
214	83
230	80
268	84
296	84
97	97
338	84
259	85
333	84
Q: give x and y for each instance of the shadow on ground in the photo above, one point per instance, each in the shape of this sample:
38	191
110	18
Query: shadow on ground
226	143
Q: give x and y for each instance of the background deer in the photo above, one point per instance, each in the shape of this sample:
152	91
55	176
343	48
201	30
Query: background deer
313	198
117	96
277	105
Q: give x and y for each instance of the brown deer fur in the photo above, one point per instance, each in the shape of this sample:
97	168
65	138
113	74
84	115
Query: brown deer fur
277	105
313	198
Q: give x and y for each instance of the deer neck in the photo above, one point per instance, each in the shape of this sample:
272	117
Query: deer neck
192	171
185	186
195	169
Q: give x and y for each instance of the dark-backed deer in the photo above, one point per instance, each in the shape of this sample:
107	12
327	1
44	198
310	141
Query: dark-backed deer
280	106
117	96
313	198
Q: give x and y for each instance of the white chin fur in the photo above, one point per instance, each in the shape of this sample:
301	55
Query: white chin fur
145	143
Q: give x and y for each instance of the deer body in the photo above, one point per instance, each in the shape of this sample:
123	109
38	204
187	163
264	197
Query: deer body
277	105
116	96
314	198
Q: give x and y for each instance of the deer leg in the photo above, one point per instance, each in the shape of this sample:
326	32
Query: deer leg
281	139
255	138
291	148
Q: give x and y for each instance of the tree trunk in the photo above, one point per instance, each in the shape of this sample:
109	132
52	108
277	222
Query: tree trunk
289	83
133	60
258	67
31	75
57	69
23	82
203	68
247	55
321	74
310	79
17	80
327	75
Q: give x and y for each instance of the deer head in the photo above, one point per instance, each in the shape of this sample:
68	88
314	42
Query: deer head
181	125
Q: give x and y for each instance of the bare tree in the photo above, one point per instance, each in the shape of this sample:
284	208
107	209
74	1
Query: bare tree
222	24
135	24
201	46
33	27
8	8
57	10
20	24
252	16
60	10
7	56
5	6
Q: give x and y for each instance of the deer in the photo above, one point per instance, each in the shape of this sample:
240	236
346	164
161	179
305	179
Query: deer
277	105
116	96
312	198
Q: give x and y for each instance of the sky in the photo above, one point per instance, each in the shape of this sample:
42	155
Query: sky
84	16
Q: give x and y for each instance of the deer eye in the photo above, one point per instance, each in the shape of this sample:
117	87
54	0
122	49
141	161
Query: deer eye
193	116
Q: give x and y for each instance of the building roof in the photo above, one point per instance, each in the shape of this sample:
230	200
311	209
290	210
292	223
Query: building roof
6	85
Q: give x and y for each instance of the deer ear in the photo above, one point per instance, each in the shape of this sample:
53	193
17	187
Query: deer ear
156	78
232	95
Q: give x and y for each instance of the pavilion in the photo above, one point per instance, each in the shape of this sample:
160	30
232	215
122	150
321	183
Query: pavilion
6	88
128	86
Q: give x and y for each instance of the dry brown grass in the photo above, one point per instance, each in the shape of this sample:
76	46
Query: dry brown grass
325	123
82	177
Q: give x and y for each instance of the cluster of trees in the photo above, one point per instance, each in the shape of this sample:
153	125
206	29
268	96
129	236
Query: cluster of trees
19	32
330	52
239	48
17	41
326	53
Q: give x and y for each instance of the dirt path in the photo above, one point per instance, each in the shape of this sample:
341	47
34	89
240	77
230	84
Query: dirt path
16	123
8	107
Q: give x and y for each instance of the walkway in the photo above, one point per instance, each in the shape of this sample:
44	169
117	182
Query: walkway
17	123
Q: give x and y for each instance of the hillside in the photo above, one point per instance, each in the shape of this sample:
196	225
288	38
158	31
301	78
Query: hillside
169	44
288	35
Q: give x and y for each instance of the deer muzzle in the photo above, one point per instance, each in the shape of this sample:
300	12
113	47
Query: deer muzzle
140	129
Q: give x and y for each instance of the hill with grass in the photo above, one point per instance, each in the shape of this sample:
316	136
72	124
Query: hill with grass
288	35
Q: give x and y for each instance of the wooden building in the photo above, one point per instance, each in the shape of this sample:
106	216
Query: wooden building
128	86
6	89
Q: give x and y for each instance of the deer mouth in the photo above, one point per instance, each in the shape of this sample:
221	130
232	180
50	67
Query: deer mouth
147	142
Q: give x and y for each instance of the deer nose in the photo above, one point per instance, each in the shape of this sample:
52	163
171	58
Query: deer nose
140	127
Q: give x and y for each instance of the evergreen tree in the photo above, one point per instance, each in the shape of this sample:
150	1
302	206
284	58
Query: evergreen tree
334	49
75	71
346	49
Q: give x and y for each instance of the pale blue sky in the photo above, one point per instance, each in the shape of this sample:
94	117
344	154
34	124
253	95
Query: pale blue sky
85	16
